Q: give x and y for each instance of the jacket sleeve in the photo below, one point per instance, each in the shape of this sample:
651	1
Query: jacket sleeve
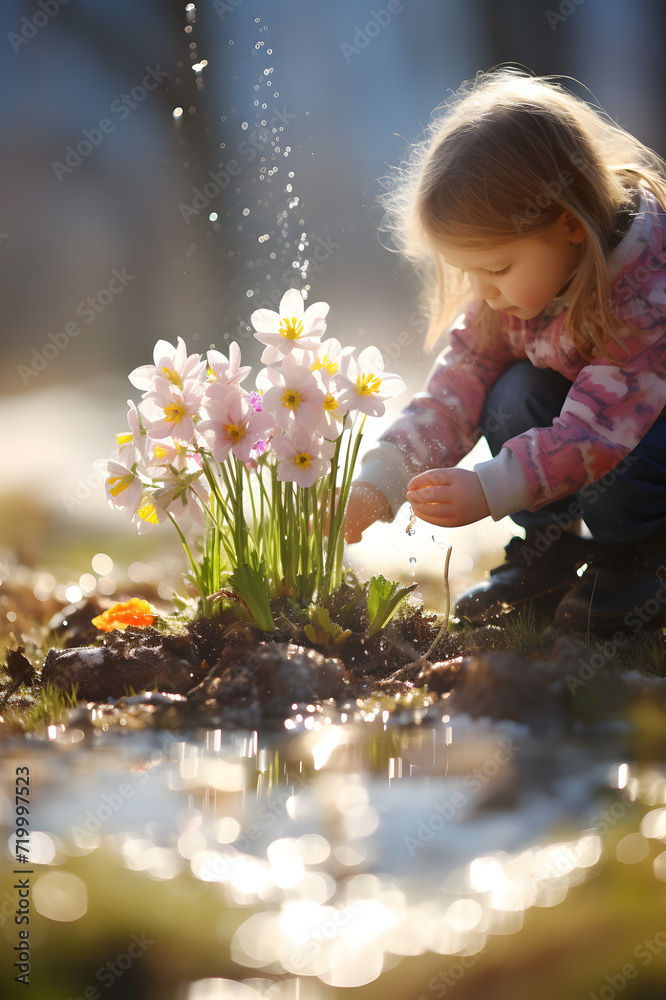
440	425
607	411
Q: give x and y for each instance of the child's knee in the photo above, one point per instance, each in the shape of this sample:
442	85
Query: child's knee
522	397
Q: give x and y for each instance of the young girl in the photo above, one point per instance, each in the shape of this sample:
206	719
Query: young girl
544	220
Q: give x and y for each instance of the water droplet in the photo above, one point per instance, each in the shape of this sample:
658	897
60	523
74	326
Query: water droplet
245	126
412	560
246	211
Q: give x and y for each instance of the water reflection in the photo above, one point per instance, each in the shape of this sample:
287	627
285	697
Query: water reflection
351	844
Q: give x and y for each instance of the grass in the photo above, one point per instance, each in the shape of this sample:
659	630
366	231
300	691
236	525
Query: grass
50	706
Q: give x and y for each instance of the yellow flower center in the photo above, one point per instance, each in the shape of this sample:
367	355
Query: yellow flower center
366	385
291	328
325	362
123	438
119	483
174	413
173	377
291	398
159	451
330	403
303	460
147	511
212	377
234	432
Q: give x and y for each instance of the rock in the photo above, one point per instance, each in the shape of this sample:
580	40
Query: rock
271	677
139	658
571	685
440	677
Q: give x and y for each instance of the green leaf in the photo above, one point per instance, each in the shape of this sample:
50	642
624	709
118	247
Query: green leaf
322	630
384	599
251	585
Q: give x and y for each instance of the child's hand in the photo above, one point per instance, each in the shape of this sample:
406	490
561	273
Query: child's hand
366	505
448	497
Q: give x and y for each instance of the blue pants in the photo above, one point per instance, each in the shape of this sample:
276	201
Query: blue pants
626	504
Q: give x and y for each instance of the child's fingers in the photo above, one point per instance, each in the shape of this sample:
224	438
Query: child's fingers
429	494
434	509
444	519
433	477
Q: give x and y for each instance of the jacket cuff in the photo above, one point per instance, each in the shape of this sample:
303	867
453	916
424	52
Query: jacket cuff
384	466
504	484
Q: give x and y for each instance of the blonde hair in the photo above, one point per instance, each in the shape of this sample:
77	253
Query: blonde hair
508	155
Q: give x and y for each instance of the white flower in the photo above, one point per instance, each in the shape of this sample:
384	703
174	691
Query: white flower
291	327
123	486
302	459
227	370
363	383
328	355
147	514
291	394
172	367
132	443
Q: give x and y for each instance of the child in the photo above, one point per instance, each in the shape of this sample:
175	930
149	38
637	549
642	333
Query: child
544	220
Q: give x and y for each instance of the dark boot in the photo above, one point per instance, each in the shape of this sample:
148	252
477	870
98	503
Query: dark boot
535	571
622	590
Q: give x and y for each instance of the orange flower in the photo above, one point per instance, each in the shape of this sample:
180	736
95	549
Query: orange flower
132	612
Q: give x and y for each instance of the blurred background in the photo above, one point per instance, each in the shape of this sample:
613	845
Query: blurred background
169	167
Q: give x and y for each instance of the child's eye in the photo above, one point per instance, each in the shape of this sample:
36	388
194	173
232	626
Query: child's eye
498	274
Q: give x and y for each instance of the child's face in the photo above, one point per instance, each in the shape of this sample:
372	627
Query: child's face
521	277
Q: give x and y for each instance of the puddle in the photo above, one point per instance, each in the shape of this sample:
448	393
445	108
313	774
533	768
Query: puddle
317	859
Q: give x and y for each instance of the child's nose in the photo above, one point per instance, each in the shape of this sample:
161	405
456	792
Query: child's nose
483	286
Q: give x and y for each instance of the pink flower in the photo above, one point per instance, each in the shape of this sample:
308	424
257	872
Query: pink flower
170	412
227	370
302	459
233	424
292	395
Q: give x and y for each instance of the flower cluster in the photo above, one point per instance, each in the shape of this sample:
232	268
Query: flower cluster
198	430
190	407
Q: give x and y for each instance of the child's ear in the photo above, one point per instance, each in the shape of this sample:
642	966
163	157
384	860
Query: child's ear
574	227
